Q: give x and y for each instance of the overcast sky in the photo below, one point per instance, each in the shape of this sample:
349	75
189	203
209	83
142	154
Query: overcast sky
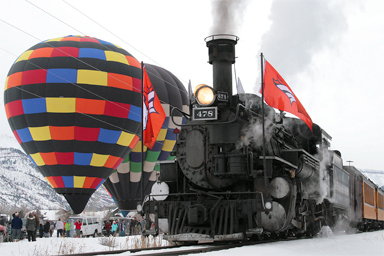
331	53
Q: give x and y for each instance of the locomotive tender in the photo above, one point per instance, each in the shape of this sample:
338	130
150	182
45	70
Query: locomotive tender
222	188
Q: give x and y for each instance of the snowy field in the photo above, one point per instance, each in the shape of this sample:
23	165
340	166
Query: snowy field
369	244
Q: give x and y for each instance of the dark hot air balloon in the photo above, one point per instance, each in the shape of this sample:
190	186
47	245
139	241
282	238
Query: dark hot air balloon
74	105
125	183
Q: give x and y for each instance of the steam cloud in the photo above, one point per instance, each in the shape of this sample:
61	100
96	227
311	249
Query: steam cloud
253	133
321	186
227	16
300	29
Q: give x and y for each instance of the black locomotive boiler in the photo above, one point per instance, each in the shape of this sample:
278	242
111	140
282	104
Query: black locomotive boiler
223	187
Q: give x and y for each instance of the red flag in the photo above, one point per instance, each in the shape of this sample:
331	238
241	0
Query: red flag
277	94
153	112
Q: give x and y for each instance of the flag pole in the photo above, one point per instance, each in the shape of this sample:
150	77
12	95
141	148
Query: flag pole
267	196
142	134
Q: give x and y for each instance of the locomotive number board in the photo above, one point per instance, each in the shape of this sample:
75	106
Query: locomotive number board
222	96
209	113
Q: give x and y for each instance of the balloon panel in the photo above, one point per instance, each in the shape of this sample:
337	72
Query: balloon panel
74	105
125	183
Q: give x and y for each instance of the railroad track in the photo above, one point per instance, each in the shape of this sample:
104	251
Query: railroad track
180	249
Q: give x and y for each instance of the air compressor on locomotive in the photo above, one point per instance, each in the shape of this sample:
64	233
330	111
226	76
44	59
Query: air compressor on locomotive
226	186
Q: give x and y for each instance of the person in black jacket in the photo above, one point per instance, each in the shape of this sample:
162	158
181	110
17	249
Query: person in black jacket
47	227
41	231
16	225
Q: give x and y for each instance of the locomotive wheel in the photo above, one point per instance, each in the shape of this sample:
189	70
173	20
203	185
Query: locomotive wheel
309	235
256	238
266	236
274	236
283	235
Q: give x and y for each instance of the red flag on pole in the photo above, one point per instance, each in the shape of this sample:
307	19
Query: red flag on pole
153	112
278	94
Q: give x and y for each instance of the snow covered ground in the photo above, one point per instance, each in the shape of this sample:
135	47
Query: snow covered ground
370	244
363	244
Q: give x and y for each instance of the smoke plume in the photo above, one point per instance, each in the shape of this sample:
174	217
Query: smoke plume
299	30
227	16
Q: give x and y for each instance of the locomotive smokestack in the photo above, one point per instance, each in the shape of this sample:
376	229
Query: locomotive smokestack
221	51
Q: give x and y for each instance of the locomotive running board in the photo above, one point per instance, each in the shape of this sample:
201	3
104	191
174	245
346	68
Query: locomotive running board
200	237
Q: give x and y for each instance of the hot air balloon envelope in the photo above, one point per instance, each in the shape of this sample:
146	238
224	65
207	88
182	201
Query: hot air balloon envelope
74	105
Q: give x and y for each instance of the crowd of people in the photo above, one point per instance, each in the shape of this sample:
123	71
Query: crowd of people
34	228
122	228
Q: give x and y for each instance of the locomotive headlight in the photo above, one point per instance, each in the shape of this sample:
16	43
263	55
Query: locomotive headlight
204	95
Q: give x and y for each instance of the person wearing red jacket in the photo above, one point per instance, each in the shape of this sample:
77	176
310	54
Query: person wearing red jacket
108	227
78	225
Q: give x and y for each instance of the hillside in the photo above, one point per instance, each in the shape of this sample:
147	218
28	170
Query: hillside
23	186
374	175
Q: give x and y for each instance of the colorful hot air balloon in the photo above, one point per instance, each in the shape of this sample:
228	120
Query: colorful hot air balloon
125	183
74	104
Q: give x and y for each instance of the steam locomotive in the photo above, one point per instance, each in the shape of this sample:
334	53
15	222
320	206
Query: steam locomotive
228	185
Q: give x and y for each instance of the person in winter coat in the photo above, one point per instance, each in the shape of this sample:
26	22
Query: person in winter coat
78	225
108	227
51	228
114	228
67	228
143	225
133	226
46	228
138	228
128	228
41	231
16	225
31	227
59	227
37	222
122	228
